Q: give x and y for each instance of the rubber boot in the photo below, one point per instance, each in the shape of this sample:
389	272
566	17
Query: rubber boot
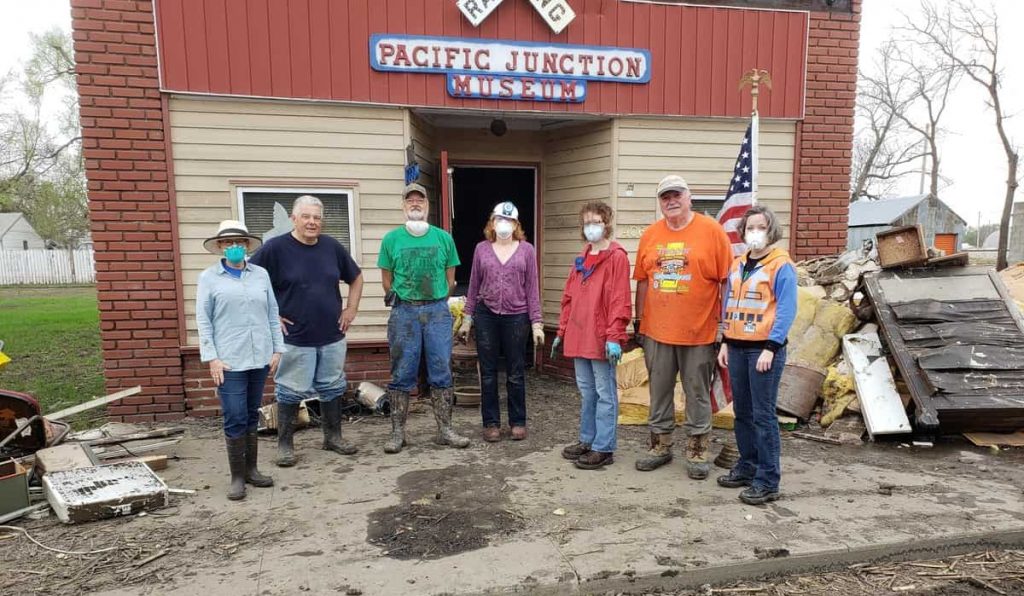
442	400
399	401
286	415
252	473
236	462
697	463
331	422
659	454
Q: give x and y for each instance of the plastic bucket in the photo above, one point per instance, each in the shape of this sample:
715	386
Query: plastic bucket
798	390
467	395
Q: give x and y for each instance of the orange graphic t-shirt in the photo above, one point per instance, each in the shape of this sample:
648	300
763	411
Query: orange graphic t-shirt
684	272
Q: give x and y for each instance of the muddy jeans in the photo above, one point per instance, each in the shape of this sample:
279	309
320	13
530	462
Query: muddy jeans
304	370
416	330
498	335
695	364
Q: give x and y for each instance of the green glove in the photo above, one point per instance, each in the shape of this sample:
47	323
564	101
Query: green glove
555	345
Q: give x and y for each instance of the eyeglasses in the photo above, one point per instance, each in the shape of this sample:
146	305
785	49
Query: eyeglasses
230	242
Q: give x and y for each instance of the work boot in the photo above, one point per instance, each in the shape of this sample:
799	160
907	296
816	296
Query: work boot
659	454
252	473
442	400
236	462
697	464
593	460
331	421
574	451
399	401
286	415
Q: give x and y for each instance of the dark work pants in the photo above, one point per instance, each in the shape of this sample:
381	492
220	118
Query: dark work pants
498	335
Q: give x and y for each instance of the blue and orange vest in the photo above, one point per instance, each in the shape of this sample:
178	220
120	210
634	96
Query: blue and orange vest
750	306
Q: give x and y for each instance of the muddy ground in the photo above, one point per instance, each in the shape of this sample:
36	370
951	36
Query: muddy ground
514	516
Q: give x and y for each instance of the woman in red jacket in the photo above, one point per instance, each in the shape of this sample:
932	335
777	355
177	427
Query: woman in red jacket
596	308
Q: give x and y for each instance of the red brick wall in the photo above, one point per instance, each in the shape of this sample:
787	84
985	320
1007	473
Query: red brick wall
826	134
129	205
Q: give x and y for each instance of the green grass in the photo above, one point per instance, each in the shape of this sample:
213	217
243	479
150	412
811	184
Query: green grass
52	336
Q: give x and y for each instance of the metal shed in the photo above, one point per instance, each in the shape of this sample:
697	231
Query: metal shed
943	228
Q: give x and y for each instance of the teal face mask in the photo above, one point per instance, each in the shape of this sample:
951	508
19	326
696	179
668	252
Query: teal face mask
234	254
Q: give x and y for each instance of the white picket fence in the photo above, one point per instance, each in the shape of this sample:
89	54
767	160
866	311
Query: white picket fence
47	267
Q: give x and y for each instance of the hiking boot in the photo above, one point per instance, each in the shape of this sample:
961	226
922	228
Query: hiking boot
236	462
399	401
441	400
492	434
286	415
697	464
733	480
332	428
252	473
574	451
518	433
659	453
593	460
755	495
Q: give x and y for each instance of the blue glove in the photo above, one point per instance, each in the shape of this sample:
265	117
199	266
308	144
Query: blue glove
555	345
613	351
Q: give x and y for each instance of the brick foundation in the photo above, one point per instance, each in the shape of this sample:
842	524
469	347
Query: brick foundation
822	174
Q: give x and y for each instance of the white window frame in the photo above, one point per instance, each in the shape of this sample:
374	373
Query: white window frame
348	191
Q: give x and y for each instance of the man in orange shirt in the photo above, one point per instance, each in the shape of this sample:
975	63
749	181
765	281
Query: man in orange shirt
681	264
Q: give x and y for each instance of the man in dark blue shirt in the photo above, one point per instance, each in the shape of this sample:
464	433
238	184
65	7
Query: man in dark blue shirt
305	269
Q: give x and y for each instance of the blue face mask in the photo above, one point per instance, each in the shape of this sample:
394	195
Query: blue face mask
234	254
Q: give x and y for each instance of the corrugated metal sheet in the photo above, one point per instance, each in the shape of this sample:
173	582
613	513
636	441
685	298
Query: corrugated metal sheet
318	49
882	212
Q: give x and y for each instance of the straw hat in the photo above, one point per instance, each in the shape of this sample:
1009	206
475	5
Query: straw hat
231	229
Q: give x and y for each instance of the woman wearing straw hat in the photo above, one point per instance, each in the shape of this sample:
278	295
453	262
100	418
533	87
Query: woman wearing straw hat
240	337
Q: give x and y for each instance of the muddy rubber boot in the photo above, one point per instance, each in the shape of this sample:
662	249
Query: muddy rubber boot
697	464
332	428
399	401
236	462
659	453
252	473
286	415
442	400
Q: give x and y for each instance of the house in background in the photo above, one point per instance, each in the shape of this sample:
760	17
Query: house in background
17	234
943	228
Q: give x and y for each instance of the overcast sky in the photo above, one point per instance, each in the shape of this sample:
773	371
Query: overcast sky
972	155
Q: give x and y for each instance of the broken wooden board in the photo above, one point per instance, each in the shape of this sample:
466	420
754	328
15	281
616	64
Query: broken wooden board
100	401
956	391
881	406
69	456
102	492
997	439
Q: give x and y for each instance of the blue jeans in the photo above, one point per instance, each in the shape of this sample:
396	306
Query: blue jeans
305	370
497	335
599	410
754	396
241	394
415	330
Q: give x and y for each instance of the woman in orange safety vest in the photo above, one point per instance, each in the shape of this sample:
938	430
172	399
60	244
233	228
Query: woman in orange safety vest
758	308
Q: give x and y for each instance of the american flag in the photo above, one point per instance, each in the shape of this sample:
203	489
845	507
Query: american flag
742	189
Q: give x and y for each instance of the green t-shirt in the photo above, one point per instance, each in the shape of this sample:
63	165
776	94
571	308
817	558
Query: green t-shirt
418	265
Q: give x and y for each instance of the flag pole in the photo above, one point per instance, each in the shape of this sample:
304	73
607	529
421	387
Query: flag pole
755	78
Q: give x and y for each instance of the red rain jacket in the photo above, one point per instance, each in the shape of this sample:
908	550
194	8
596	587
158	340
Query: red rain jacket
596	309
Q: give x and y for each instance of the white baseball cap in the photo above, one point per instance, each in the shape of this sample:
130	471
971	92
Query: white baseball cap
672	182
507	210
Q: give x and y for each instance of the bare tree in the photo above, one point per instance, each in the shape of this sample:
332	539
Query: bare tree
968	37
913	87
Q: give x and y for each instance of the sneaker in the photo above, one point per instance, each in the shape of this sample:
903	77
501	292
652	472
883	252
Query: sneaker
492	434
733	480
593	460
756	495
574	451
518	433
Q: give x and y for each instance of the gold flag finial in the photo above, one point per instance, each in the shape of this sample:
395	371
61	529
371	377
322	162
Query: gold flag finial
755	78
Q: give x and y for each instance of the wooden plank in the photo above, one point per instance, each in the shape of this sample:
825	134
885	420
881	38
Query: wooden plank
153	434
94	403
997	439
883	410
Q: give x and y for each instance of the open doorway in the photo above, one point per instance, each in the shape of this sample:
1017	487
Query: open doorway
475	191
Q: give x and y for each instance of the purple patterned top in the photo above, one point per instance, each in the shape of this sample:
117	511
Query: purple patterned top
506	289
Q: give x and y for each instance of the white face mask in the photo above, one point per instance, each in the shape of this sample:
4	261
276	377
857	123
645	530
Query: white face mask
756	239
417	227
504	228
593	232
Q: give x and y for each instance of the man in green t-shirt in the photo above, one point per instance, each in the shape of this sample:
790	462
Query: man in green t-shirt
417	264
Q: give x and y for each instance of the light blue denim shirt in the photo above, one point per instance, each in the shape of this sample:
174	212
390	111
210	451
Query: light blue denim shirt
237	317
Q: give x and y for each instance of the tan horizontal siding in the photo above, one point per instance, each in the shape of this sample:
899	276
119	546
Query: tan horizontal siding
215	142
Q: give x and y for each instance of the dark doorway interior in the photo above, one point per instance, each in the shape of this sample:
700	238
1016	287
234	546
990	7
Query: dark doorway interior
475	191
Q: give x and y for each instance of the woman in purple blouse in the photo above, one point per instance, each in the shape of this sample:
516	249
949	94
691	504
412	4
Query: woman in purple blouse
503	303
